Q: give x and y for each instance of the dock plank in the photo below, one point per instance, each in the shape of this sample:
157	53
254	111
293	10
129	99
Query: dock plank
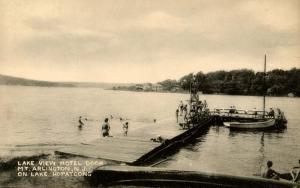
126	148
112	149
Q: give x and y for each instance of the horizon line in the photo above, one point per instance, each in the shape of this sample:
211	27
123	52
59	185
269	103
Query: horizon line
99	82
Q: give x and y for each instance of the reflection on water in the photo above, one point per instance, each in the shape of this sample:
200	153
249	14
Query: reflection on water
222	150
261	156
195	144
48	117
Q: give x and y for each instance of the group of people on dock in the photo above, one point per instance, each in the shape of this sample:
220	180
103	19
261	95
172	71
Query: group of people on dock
269	173
191	113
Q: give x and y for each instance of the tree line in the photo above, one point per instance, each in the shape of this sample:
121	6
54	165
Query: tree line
277	82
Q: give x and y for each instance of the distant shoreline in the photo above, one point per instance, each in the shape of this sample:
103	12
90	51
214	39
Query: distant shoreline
16	81
233	87
174	92
187	92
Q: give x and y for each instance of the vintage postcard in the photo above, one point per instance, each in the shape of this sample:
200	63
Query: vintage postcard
149	93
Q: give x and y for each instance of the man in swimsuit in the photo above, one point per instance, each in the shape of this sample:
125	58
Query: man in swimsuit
105	128
125	128
80	122
269	173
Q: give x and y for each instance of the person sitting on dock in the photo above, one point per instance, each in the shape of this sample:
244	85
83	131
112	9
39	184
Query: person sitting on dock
269	173
200	106
185	113
295	173
232	110
159	139
271	113
105	128
125	128
181	106
205	104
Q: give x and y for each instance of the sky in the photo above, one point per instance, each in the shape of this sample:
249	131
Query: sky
133	41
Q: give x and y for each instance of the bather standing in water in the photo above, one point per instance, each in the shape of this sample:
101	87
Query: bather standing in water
125	128
80	123
105	128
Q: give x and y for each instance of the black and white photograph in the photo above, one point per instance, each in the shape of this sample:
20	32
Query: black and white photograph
149	93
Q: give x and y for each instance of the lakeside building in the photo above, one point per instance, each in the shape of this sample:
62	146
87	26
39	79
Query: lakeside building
148	87
157	87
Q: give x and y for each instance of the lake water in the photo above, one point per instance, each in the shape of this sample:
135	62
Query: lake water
48	117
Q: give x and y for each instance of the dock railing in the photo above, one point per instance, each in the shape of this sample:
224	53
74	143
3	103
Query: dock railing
251	114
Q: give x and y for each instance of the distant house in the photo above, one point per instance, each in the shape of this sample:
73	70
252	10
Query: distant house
139	87
175	88
147	87
157	87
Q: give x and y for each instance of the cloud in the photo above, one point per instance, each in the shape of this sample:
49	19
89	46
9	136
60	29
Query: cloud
44	25
61	42
162	20
150	41
280	15
101	36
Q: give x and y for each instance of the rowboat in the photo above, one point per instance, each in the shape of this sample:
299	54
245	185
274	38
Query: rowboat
134	176
260	124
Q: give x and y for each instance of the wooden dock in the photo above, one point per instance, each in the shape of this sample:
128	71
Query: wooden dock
127	149
122	149
136	148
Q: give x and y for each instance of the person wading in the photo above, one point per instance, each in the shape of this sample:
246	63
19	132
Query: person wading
125	128
80	122
105	128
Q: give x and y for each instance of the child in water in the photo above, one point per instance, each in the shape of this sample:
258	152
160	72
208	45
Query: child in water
80	122
125	128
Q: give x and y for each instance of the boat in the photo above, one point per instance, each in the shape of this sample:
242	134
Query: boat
260	124
259	121
133	176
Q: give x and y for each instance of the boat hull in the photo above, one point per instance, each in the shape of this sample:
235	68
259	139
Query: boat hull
163	177
251	125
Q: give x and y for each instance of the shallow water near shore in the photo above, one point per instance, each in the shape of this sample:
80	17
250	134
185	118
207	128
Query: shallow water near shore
39	120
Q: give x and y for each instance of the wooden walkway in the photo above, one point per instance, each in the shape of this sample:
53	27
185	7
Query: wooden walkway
129	148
